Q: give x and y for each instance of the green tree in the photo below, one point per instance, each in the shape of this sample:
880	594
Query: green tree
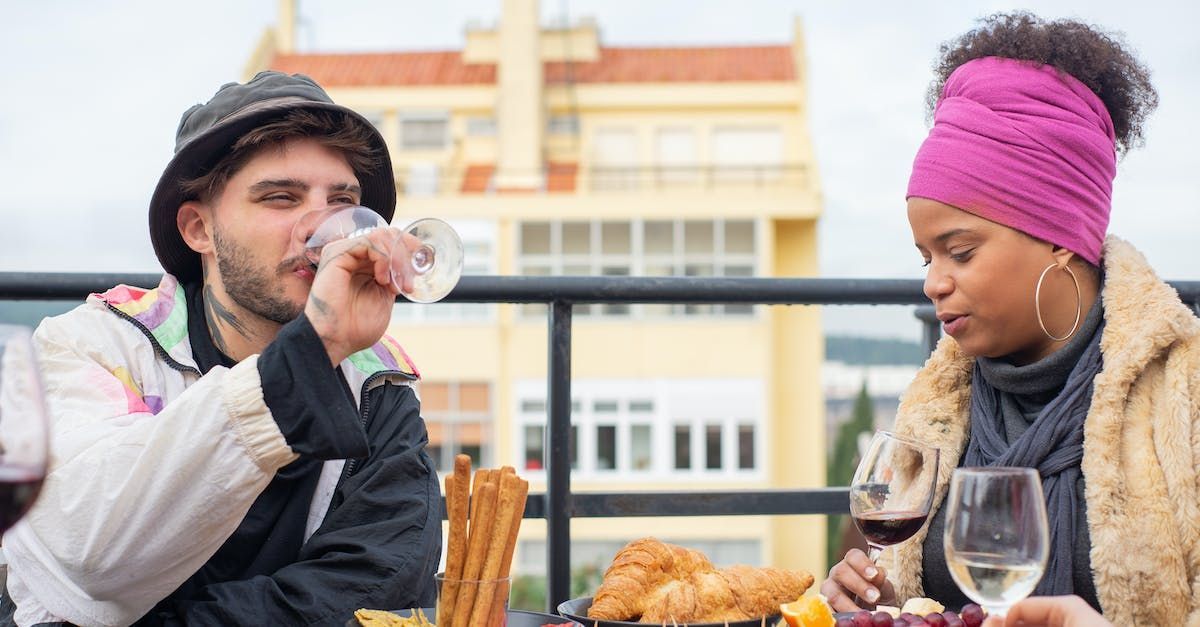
842	463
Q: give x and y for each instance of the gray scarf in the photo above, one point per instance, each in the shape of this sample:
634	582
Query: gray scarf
1053	445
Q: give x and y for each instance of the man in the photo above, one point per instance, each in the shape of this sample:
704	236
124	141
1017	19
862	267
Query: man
239	445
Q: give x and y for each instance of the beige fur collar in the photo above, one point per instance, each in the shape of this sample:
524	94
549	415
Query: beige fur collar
1143	317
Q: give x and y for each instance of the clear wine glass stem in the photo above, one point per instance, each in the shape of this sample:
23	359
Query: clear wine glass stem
873	552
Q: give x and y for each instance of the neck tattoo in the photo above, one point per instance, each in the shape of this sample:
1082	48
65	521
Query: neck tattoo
219	316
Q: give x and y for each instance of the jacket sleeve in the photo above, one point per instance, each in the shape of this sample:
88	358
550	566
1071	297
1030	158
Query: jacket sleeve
135	501
378	547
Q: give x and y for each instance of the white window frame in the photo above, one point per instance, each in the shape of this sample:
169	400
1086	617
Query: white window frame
637	260
676	402
440	115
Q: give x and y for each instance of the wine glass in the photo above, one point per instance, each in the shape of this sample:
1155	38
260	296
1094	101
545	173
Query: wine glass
436	262
24	438
996	537
892	490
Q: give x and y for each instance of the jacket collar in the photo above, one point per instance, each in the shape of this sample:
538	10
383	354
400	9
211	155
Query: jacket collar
162	313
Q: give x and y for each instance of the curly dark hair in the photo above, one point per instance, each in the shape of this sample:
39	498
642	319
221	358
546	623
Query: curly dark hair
1097	58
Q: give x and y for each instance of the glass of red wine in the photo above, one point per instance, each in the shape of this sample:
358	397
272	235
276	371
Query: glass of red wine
892	490
432	256
24	426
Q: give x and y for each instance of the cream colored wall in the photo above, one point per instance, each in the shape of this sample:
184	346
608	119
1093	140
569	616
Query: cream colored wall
779	345
798	425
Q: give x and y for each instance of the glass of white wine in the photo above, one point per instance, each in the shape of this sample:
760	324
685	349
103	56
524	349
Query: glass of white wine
996	539
435	264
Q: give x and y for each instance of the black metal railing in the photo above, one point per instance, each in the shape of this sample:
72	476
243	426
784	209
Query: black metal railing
558	505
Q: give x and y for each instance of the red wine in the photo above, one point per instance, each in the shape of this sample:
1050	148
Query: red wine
888	528
19	488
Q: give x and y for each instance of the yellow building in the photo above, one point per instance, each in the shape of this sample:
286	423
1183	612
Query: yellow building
553	154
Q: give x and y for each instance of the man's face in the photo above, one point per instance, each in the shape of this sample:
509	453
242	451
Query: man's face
259	252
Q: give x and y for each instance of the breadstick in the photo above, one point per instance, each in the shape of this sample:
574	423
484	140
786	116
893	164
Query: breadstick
518	514
457	496
481	477
476	551
505	504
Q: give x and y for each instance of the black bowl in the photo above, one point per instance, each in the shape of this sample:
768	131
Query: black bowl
576	610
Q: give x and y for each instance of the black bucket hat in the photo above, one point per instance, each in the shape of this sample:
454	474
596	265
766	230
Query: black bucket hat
206	133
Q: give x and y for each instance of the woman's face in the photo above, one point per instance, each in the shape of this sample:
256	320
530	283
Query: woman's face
981	278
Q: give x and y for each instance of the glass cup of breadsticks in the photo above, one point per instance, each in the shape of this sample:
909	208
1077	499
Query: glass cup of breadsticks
485	516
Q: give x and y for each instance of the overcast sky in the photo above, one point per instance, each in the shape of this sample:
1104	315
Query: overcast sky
92	92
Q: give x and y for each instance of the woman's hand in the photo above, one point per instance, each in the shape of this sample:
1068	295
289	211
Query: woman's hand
1064	611
856	577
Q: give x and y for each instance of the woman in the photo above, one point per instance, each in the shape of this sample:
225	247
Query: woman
1065	352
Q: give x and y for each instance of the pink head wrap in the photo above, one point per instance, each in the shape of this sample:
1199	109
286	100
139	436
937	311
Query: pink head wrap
1023	145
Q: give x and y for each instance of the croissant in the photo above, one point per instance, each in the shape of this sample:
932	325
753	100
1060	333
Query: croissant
636	569
660	583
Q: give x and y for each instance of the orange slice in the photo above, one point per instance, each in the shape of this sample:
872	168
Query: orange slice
811	611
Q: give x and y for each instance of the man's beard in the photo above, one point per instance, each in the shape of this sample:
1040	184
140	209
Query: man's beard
250	286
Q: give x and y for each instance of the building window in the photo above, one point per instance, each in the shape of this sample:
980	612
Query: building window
675	156
749	155
459	418
606	447
712	447
668	430
640	447
563	125
481	127
428	131
696	248
615	163
683	447
535	447
746	447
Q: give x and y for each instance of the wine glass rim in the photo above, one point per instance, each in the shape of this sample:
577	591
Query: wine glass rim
907	440
994	470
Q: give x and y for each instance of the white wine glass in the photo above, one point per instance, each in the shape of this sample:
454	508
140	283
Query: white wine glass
892	490
24	425
436	264
996	538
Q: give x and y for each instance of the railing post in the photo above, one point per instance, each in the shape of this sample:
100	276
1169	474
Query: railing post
558	459
932	328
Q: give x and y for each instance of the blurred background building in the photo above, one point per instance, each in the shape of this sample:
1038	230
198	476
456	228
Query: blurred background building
553	154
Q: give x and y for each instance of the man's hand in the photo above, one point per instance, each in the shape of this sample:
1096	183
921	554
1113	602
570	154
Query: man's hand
857	576
352	294
1064	611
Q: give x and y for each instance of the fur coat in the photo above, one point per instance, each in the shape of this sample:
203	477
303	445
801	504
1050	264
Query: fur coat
1141	448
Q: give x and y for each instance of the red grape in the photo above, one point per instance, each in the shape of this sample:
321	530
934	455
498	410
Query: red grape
862	618
844	622
972	615
882	619
936	620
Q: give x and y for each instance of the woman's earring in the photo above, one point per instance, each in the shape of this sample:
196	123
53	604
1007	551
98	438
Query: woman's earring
1037	303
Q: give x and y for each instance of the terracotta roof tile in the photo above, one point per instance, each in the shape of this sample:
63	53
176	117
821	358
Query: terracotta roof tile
560	178
385	68
679	65
616	65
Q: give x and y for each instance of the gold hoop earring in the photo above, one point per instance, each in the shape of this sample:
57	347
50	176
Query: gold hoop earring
1037	303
